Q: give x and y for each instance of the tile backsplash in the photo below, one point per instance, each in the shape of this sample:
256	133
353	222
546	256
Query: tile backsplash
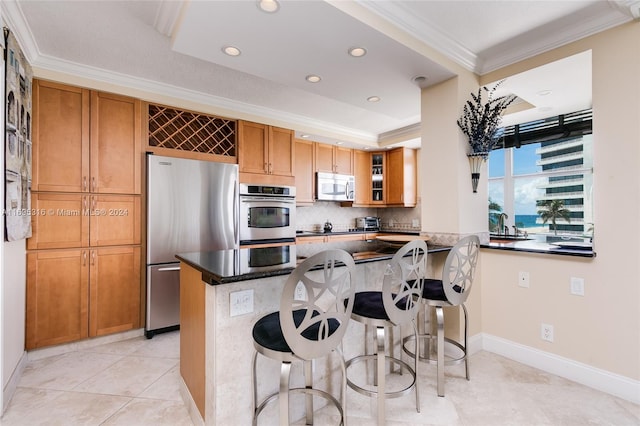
344	218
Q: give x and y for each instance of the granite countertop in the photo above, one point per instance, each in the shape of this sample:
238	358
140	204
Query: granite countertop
222	266
580	247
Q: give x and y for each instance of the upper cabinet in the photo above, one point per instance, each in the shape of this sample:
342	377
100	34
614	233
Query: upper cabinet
265	151
333	159
386	179
87	141
401	178
305	182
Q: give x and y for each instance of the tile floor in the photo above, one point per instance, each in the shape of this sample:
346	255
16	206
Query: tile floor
136	382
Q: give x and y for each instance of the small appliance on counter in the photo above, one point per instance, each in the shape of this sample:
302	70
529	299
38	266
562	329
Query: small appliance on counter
368	223
328	227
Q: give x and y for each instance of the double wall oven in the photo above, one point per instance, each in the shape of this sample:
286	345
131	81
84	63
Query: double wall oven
267	227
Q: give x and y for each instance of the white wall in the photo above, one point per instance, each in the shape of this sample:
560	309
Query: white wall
602	329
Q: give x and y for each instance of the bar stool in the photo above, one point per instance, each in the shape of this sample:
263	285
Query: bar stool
395	305
304	330
452	290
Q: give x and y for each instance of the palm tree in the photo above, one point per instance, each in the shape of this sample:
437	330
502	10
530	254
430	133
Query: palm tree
494	211
551	210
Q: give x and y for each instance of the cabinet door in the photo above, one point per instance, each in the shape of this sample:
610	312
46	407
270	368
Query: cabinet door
57	297
324	158
252	147
343	160
304	174
116	157
60	221
60	160
362	172
378	173
115	220
401	177
114	290
281	151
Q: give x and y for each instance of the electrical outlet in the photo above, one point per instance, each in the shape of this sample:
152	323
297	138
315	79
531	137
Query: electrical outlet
241	302
301	292
523	279
577	286
546	332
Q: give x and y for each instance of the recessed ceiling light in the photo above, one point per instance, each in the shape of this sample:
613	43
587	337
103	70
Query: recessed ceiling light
366	148
269	6
544	92
313	78
231	51
304	136
373	99
357	52
339	143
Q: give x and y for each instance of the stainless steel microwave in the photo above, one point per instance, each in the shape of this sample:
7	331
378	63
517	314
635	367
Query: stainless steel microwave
335	187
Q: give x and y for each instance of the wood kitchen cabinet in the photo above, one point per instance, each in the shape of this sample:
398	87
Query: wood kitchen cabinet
79	293
401	178
66	220
386	179
362	173
87	141
265	151
83	258
57	297
305	182
114	292
333	159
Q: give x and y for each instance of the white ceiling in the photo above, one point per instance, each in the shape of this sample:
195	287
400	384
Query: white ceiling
174	48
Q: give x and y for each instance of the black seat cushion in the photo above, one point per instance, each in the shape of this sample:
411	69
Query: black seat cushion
369	304
433	290
268	333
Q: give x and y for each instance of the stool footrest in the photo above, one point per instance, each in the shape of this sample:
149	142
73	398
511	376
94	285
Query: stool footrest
461	352
316	392
390	394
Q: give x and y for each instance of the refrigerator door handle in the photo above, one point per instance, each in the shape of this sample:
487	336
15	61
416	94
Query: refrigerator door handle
169	268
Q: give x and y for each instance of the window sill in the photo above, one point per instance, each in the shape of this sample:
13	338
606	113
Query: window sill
539	247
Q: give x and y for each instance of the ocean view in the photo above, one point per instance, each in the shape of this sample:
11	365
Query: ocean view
527	221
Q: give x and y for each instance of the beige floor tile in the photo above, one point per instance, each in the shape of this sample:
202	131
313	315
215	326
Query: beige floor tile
129	377
141	412
30	407
124	347
164	345
64	372
166	387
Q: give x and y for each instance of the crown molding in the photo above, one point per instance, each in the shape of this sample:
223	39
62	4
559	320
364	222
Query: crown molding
517	49
402	18
168	14
15	20
157	92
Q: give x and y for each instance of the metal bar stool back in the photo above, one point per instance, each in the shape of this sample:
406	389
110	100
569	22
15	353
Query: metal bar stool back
306	328
397	304
452	290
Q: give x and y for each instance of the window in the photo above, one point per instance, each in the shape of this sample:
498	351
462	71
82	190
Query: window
541	165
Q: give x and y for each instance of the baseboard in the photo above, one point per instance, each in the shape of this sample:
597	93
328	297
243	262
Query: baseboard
63	348
602	380
192	408
12	384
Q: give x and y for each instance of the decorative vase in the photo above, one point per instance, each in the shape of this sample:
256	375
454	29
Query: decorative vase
475	162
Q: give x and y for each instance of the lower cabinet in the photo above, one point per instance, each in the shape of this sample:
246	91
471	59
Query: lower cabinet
77	293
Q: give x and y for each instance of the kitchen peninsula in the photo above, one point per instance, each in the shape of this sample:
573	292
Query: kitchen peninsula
215	338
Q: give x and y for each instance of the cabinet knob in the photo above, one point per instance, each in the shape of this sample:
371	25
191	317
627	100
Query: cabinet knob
84	183
93	257
84	258
93	184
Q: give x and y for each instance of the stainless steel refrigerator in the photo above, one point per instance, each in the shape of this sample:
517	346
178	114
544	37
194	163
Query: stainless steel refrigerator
192	206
